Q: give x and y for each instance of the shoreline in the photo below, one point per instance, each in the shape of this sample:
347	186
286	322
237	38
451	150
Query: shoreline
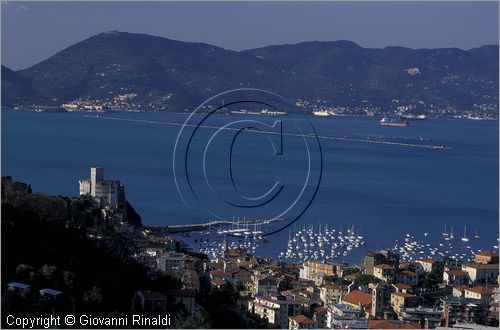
55	109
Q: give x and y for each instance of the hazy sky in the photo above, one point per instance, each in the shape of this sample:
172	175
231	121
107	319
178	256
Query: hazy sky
32	32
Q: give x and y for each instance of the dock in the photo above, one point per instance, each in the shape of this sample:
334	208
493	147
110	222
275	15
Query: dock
184	228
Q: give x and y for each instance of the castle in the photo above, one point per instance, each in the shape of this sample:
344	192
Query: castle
110	192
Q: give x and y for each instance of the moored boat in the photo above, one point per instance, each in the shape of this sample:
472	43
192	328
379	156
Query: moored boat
386	121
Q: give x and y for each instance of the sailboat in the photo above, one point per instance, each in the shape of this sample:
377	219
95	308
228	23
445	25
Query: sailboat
465	239
445	233
451	233
477	235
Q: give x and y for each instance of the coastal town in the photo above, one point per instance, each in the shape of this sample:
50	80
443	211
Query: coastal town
384	291
321	108
250	164
127	102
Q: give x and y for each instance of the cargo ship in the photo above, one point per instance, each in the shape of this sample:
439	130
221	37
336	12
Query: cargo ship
393	122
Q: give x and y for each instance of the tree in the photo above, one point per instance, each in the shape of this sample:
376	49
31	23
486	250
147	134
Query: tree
23	271
93	296
240	286
365	279
201	320
350	271
48	272
68	279
330	279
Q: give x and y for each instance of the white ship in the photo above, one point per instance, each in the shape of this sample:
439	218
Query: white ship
322	113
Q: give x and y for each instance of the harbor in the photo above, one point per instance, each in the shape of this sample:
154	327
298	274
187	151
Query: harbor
226	227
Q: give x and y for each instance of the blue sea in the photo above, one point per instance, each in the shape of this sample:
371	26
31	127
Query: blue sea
376	178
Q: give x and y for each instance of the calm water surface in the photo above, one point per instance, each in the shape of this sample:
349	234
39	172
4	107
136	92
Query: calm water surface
385	191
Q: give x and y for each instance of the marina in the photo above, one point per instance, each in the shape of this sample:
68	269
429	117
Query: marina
412	247
309	243
385	191
329	243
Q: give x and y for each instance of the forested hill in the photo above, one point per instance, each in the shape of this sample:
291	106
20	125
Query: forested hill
172	75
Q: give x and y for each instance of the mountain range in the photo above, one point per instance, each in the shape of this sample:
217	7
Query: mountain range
173	75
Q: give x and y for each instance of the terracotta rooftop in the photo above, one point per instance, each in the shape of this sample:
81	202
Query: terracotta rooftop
302	319
389	324
403	294
455	272
356	297
482	266
266	278
335	287
402	286
219	272
288	292
428	260
305	293
480	289
218	281
248	262
486	254
384	266
236	252
461	287
243	274
320	310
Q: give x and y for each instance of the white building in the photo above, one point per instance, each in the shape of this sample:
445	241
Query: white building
109	192
274	309
479	293
264	285
454	277
481	272
427	265
342	317
171	261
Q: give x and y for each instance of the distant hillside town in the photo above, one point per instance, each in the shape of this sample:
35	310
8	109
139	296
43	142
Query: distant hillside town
104	72
234	288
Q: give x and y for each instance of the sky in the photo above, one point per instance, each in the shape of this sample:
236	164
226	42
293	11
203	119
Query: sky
32	32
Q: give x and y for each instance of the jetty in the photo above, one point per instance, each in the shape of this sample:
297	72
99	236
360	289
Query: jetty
303	135
184	228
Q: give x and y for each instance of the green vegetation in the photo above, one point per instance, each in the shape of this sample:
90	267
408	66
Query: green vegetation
45	244
171	75
365	279
350	271
220	303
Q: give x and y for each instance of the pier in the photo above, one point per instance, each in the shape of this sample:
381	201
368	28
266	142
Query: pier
184	228
172	229
324	137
